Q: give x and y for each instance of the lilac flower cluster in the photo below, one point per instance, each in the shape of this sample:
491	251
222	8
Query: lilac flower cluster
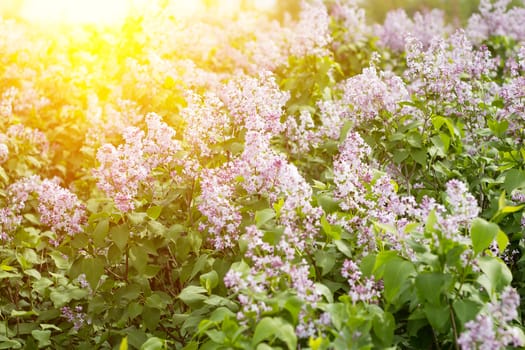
18	135
366	290
257	103
513	95
451	71
352	19
4	153
371	92
222	214
457	215
76	316
311	34
495	18
59	208
124	169
249	103
493	330
424	27
369	195
274	269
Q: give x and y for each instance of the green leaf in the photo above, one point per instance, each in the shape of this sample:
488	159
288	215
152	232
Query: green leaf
420	156
263	216
384	326
93	268
396	274
10	344
274	327
199	265
496	275
21	313
294	305
220	314
209	280
431	285
343	247
325	260
438	316
157	228
482	234
154	212
514	178
216	336
59	260
120	235
154	344
100	232
332	231
136	218
502	240
138	258
466	310
192	295
158	300
400	155
328	203
151	318
324	291
42	337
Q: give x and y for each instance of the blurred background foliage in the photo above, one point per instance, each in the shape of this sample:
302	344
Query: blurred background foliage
456	10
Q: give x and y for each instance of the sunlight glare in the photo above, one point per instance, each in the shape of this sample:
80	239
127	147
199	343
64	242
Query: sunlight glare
76	11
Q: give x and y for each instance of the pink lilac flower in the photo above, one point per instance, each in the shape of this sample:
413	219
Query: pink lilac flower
362	289
311	34
496	18
125	169
257	103
23	134
424	27
75	316
492	330
207	123
371	92
217	205
59	208
352	19
4	153
300	133
351	173
450	72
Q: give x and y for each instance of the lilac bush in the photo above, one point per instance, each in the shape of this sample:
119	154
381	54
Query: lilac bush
314	182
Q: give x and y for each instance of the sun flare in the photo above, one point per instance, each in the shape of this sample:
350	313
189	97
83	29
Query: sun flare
76	11
107	12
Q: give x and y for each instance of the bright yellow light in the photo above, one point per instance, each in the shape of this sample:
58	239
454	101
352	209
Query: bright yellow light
76	11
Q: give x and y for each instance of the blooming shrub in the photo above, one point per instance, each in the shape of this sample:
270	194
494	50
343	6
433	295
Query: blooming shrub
315	183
